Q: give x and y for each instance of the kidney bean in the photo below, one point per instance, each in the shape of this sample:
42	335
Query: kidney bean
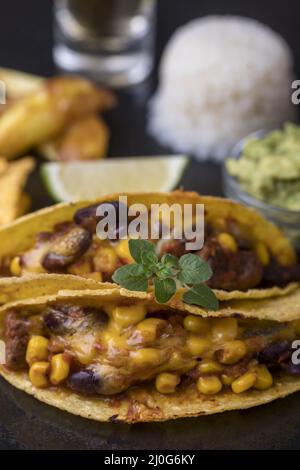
85	381
275	352
55	321
277	275
86	217
67	248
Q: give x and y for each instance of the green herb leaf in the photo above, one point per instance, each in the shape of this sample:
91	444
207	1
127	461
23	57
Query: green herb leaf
203	296
188	270
167	267
164	289
164	272
170	261
149	259
137	247
132	277
193	269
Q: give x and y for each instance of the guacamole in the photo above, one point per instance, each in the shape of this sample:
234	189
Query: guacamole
269	167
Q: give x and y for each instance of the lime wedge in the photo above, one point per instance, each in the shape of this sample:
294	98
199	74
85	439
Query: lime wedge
90	180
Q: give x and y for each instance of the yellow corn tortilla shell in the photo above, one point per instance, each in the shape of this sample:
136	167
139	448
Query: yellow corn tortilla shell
37	285
143	403
21	234
281	309
256	293
12	181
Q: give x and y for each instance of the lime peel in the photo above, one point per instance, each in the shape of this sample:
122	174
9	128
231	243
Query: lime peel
90	180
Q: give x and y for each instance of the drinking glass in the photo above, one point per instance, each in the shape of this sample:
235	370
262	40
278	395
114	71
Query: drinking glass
110	41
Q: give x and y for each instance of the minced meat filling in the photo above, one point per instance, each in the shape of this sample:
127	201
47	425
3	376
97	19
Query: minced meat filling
106	351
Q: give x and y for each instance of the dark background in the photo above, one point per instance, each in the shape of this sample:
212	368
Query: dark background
26	26
25	44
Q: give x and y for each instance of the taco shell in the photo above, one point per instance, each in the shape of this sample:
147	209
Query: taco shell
142	403
21	235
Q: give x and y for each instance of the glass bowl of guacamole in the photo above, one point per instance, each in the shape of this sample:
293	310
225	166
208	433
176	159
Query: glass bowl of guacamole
263	172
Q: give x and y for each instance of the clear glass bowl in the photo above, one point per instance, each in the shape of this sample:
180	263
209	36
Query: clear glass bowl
287	220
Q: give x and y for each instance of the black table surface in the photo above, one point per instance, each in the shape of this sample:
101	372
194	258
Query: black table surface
26	44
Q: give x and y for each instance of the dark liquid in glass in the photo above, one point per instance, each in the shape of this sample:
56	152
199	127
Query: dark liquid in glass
104	17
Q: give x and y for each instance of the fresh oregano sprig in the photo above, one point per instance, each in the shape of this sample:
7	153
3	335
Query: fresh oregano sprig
167	274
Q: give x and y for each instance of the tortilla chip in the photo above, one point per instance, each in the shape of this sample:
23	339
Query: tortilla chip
12	182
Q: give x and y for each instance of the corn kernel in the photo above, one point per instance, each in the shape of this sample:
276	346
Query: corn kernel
36	325
220	224
105	260
227	242
209	367
60	369
126	316
122	250
224	329
37	349
227	379
244	382
209	385
147	357
166	382
262	253
38	374
15	266
179	362
80	268
197	346
196	324
264	378
231	352
176	360
151	328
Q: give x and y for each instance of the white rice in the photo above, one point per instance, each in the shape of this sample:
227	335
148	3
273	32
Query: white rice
221	78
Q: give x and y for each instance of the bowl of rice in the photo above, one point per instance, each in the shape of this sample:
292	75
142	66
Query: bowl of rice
220	79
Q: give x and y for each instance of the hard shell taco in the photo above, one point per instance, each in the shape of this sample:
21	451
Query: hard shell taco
116	355
249	256
36	285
